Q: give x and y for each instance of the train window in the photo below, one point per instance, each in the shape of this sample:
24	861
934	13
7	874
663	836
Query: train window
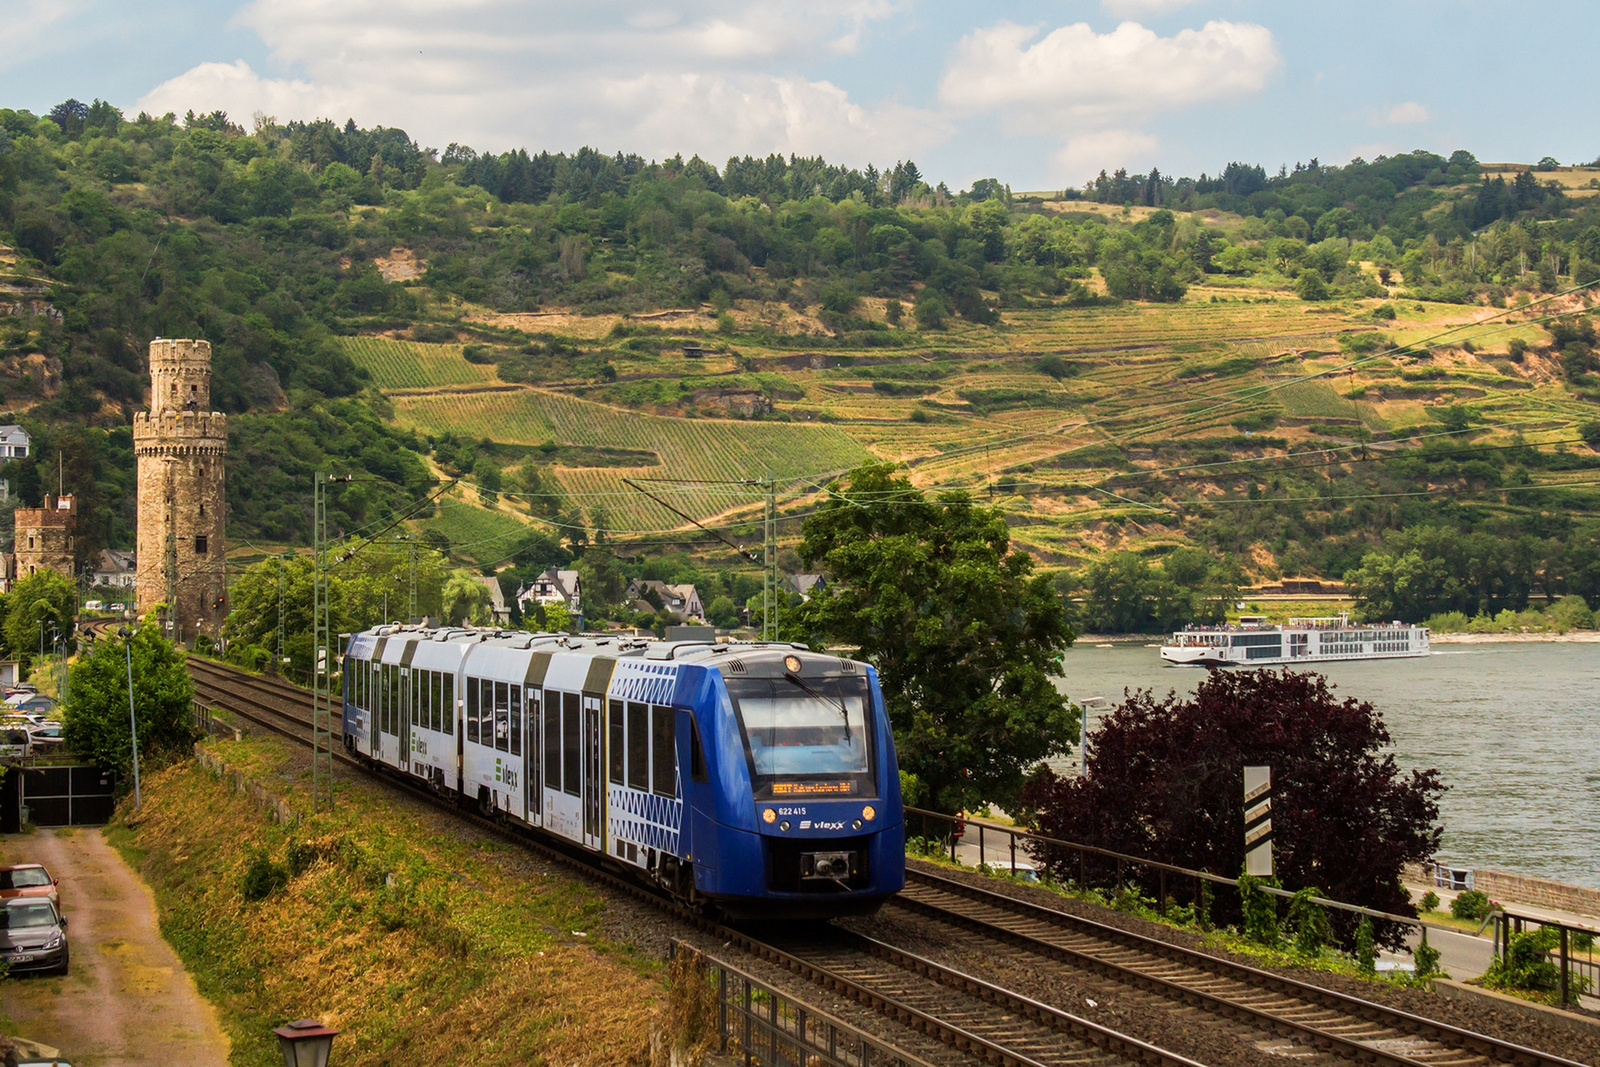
663	752
416	690
472	709
450	704
571	746
616	743
536	797
516	720
502	727
436	691
552	739
697	755
639	747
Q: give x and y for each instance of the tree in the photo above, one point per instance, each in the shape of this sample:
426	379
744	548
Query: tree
722	612
95	724
1165	780
41	603
965	637
930	309
1311	285
464	599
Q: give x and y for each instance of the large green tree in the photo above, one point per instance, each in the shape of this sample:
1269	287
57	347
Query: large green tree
42	603
965	637
95	725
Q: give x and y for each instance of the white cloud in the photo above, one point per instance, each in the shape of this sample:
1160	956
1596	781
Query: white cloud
29	28
713	77
1126	8
1087	154
1095	89
1075	72
1406	114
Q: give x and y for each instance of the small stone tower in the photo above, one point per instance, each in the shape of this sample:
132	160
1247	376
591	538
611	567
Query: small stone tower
44	537
181	444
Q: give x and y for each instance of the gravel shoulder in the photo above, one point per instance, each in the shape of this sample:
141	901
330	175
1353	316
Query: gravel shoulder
128	999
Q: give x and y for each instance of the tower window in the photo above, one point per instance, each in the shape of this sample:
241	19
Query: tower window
200	545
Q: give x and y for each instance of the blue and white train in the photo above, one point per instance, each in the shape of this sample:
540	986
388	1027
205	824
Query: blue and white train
759	778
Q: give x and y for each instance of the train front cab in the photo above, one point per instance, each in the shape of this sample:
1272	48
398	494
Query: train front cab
792	789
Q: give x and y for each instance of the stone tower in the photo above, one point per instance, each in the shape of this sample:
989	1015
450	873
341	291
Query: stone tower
44	537
181	444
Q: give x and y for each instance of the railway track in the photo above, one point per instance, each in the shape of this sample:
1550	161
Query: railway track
977	1018
1307	1021
1277	1014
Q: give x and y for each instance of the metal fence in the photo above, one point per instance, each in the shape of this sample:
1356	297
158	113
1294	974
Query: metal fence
1577	969
1573	954
756	1024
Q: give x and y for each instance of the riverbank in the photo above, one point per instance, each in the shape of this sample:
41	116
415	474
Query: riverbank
1572	637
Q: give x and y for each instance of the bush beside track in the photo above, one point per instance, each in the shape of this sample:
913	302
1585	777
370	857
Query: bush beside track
421	940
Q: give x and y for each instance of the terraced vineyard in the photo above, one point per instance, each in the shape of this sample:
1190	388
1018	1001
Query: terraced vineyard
397	365
689	448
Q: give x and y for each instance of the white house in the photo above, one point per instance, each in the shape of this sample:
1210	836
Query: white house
497	600
14	442
117	568
552	587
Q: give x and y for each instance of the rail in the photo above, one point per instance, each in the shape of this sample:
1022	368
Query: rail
757	1024
1043	848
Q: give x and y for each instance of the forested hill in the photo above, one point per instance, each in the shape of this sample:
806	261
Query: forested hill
279	245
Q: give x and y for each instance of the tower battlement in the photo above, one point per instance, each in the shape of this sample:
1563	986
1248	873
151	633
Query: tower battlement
192	429
181	445
180	375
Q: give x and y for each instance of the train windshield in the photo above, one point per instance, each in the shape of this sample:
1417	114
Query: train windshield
811	737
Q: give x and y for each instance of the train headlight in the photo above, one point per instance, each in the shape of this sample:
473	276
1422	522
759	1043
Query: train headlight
791	664
769	816
784	826
869	813
855	824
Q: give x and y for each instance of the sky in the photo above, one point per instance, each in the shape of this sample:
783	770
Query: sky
1041	94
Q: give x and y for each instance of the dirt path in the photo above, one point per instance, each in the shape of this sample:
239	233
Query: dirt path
128	1000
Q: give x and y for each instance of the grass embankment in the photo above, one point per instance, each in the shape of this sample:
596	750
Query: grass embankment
420	943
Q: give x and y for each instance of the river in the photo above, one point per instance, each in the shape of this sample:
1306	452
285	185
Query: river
1514	730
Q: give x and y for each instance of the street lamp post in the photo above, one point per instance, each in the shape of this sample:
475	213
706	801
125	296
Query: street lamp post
133	724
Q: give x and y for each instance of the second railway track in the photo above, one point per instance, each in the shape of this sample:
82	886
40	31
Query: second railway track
1274	1013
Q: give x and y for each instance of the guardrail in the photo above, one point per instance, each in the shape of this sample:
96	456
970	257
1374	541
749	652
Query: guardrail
756	1024
1577	972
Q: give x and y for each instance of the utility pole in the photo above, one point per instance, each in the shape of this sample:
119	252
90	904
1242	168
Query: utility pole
323	654
283	579
769	596
411	551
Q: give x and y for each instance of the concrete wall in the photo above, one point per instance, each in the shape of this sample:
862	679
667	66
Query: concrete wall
1515	889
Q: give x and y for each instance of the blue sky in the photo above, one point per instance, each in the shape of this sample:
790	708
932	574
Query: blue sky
1039	93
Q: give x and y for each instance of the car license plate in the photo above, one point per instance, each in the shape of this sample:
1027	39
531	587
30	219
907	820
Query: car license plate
25	957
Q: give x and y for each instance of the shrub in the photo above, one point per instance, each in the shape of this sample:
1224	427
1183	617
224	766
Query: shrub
1471	904
1260	910
1384	312
1308	922
1312	286
1430	901
263	877
1527	966
1590	432
1366	948
1516	349
1425	956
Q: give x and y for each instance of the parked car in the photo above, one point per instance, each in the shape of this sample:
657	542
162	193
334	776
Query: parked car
29	880
15	742
46	735
31	702
20	687
33	936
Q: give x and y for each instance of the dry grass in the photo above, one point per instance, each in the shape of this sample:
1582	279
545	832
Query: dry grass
420	941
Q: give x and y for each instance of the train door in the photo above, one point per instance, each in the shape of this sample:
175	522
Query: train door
593	783
403	727
530	754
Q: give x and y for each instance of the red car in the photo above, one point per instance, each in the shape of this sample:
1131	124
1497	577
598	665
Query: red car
29	880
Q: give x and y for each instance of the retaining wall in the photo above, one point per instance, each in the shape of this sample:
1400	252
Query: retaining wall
276	807
1510	888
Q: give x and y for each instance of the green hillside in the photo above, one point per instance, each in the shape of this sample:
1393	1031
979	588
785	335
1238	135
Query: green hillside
1287	371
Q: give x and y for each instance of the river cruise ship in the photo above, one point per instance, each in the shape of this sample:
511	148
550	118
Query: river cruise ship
1253	642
